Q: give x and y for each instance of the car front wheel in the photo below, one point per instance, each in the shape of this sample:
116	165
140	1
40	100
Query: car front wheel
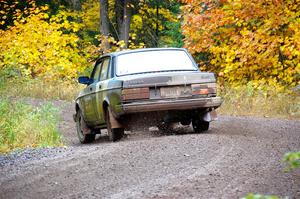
200	126
114	134
84	133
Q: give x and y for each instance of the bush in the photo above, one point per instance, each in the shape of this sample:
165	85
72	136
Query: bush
258	196
40	45
22	125
245	40
292	159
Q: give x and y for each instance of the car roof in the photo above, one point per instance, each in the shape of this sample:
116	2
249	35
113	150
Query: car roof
139	50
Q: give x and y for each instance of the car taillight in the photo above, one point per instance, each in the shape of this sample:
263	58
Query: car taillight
135	93
204	89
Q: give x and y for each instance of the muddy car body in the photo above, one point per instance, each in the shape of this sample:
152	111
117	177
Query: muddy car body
157	86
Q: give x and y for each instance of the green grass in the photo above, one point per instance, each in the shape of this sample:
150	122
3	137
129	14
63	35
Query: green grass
258	196
22	125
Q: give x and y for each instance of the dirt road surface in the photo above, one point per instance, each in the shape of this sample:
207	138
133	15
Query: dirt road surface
236	156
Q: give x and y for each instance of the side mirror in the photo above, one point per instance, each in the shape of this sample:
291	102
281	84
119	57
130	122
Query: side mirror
84	80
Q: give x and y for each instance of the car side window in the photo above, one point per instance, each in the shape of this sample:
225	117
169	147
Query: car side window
96	72
104	70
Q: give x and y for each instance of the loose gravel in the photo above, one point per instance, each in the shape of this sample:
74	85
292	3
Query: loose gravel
238	155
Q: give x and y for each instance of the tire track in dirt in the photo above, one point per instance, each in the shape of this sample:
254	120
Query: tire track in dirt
237	156
150	187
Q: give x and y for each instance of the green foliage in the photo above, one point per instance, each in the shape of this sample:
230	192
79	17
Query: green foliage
22	125
156	24
258	196
171	36
292	159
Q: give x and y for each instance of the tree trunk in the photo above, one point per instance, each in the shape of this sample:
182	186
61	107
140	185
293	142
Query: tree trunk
119	12
126	22
123	17
104	20
74	4
157	24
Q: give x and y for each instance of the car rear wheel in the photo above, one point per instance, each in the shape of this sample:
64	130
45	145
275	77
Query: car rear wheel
84	133
200	126
114	134
166	128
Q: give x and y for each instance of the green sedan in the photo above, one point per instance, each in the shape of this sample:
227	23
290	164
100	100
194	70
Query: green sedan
155	86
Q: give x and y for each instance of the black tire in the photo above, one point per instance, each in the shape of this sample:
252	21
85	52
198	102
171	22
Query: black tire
165	128
200	126
185	122
80	124
114	134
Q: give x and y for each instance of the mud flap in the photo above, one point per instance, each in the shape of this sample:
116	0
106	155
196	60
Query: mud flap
74	118
210	116
85	129
113	122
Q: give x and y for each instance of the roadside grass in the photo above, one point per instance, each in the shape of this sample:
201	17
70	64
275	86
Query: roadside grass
259	196
39	88
292	159
23	126
247	101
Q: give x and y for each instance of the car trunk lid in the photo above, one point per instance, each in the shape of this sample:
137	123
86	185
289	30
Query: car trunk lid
167	79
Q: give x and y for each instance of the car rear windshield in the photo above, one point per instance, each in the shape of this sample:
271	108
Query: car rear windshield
153	61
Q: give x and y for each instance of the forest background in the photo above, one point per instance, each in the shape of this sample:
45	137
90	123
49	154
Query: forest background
253	46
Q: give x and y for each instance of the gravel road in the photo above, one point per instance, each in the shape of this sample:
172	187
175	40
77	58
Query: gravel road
236	156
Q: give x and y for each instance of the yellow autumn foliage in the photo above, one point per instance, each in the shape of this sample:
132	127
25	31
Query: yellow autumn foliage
42	46
90	15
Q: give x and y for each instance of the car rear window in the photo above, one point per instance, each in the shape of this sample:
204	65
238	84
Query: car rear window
153	61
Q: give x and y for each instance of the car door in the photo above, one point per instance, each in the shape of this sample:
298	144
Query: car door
89	110
101	89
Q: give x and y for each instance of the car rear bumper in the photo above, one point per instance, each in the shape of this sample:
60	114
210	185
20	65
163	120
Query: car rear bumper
174	104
